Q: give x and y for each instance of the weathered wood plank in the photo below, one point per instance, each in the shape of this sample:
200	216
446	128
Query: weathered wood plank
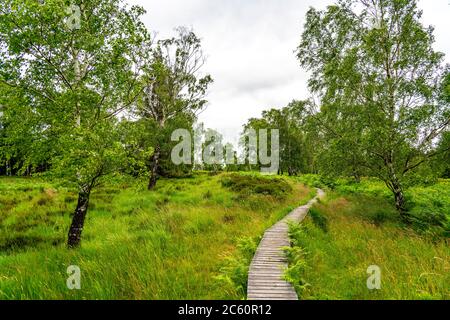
265	276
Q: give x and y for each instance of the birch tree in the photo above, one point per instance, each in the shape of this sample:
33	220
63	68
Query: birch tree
78	67
175	89
376	77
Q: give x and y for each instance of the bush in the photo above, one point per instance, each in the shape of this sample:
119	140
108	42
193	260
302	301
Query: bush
247	185
430	208
312	180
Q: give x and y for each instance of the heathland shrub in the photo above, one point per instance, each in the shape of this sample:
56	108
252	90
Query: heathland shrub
248	184
312	180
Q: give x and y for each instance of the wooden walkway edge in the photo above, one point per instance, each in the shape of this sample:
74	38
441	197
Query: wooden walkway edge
265	276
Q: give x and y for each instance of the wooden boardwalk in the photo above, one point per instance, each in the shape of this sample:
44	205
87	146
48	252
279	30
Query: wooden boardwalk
265	277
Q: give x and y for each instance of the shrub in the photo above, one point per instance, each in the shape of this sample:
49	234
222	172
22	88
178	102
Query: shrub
247	184
430	221
296	256
312	180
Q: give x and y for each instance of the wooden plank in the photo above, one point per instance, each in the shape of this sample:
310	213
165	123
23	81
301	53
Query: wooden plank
274	297
265	276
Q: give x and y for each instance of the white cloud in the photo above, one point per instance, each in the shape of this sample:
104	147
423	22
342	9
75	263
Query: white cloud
250	48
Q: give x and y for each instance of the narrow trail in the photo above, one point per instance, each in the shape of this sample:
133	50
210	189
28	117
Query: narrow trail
265	277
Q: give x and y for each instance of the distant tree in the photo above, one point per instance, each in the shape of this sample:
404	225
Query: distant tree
231	157
376	75
249	156
75	70
137	142
213	151
295	155
175	91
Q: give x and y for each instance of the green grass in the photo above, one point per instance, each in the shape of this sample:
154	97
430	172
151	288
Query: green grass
428	205
194	238
356	227
173	243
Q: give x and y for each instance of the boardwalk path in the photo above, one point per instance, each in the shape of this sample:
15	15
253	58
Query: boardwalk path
265	277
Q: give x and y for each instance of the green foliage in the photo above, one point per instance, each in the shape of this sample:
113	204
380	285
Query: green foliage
430	208
233	274
296	140
70	83
312	180
317	181
137	142
428	205
173	96
332	265
379	81
296	256
441	164
253	184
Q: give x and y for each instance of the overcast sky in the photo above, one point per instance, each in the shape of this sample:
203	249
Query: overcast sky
250	50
